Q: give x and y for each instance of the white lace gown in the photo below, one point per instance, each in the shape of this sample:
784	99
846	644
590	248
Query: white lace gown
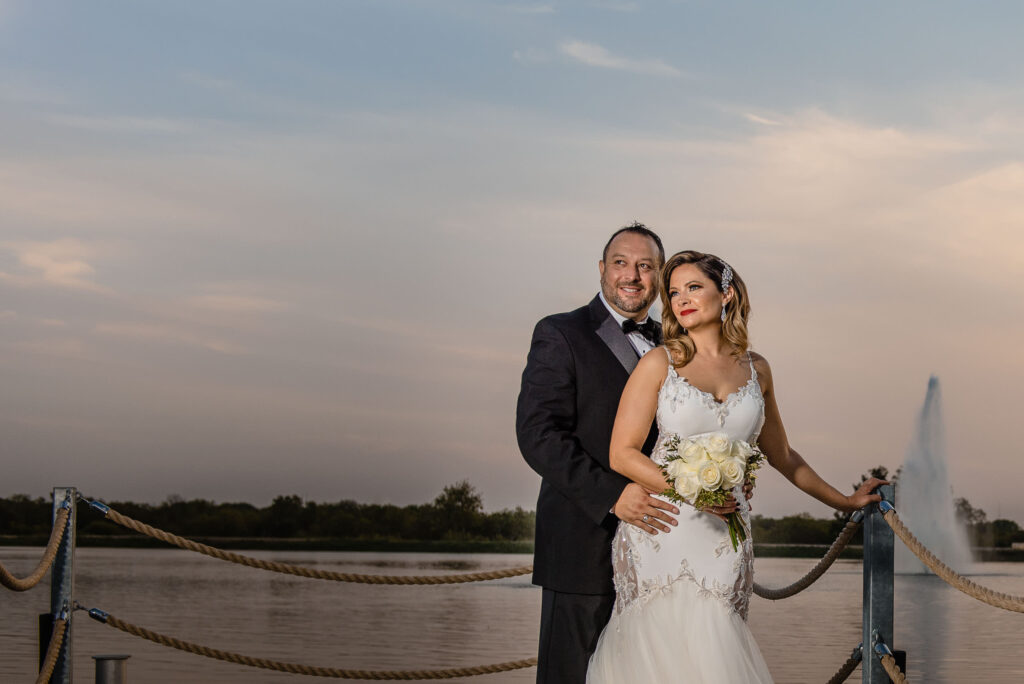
682	597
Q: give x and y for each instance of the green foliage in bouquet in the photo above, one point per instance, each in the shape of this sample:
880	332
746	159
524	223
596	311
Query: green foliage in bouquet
703	470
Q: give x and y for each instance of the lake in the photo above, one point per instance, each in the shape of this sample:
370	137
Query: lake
949	637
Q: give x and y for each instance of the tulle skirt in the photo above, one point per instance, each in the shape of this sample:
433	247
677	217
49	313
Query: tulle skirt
678	637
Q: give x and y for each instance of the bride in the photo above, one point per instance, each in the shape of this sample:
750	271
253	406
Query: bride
681	598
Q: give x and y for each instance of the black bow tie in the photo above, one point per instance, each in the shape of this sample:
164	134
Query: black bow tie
649	329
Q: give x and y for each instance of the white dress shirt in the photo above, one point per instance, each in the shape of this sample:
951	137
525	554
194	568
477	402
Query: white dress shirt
640	343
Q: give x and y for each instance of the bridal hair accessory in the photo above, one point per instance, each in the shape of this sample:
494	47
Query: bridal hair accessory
726	282
726	276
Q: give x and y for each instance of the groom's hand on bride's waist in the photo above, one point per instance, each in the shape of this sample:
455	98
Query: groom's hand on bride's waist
637	507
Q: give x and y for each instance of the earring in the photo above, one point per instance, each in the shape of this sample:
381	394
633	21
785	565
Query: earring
723	313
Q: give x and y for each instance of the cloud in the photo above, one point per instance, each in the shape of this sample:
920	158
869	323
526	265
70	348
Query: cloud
236	303
531	56
120	124
594	55
530	9
61	263
619	6
754	118
167	334
205	81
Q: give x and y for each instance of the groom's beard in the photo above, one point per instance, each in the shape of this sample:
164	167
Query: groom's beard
630	304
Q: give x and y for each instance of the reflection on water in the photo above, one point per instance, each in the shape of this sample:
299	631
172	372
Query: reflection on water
930	619
949	637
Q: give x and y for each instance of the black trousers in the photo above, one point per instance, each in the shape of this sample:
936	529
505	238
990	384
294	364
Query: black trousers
569	627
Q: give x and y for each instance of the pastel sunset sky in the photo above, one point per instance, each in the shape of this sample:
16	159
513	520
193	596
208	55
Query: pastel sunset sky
259	248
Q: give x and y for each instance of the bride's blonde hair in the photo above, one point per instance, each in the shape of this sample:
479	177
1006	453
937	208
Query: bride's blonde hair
734	328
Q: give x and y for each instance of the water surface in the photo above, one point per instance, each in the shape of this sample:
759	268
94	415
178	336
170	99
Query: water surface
950	637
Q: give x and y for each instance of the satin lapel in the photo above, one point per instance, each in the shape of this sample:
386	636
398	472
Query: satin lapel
611	334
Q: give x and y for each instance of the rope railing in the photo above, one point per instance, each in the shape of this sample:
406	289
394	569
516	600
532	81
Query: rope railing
893	670
296	668
60	626
819	569
298	570
840	676
889	664
943	571
886	659
847	668
60	523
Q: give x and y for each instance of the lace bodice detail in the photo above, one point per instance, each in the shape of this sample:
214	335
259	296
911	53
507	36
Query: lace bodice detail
698	550
685	410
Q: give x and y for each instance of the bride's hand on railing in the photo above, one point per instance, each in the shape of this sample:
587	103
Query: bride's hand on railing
863	496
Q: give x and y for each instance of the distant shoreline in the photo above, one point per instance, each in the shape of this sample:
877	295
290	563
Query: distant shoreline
983	554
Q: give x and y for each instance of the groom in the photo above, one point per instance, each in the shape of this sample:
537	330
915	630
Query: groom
575	372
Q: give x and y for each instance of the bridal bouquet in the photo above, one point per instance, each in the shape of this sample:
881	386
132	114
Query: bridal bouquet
704	469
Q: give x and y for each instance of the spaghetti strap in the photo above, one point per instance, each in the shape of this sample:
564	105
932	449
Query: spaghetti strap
671	365
753	371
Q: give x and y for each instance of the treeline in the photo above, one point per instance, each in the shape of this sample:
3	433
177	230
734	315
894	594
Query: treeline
984	532
456	514
798	529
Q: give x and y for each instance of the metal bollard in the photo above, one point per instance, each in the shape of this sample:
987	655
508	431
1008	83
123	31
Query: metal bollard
62	584
111	669
879	554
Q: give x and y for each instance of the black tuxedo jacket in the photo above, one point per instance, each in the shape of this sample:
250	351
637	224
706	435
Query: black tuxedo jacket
575	372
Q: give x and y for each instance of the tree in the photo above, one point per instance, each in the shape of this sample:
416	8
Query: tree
282	518
968	514
458	508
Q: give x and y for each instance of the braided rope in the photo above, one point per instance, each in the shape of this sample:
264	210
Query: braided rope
290	569
13	583
847	668
893	670
947	574
52	651
817	571
295	668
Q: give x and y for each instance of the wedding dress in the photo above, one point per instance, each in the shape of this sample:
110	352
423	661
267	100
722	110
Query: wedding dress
681	598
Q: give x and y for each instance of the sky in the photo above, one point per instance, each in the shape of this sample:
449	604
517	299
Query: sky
259	248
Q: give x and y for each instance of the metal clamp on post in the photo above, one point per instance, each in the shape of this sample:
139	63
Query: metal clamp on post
99	506
99	615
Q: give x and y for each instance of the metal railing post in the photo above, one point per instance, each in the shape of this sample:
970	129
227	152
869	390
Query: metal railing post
879	553
62	582
111	669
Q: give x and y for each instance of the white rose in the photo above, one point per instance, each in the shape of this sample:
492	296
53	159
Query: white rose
687	487
692	452
710	476
675	468
717	445
742	451
732	472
